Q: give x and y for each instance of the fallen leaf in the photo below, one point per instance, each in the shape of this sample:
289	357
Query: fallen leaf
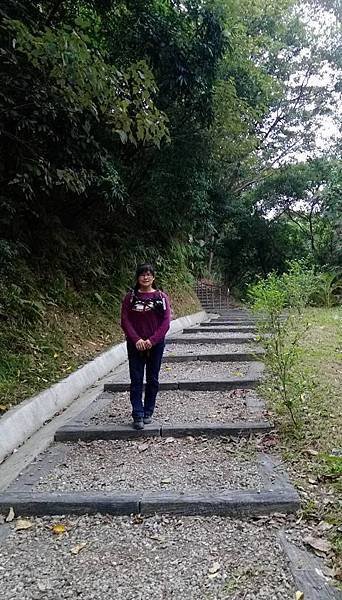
76	549
318	544
213	575
168	440
165	481
214	568
158	538
58	529
23	524
299	596
324	526
137	519
311	451
10	515
44	585
143	447
3	407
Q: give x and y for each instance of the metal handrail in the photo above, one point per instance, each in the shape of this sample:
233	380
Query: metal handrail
213	292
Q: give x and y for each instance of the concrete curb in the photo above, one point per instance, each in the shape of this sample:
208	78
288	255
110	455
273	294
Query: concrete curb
210	384
19	423
235	503
73	433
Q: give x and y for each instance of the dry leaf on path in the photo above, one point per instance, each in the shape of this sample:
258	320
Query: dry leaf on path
165	481
44	585
143	447
76	549
168	440
318	544
215	567
22	524
158	538
213	575
58	529
137	519
10	515
324	526
299	596
311	452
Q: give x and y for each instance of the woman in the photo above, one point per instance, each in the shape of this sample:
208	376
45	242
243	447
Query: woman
145	319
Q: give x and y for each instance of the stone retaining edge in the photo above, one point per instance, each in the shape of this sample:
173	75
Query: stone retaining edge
19	423
233	503
308	572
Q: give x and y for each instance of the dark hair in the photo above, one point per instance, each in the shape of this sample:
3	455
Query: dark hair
141	269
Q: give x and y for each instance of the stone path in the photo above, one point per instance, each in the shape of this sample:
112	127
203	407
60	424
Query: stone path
189	508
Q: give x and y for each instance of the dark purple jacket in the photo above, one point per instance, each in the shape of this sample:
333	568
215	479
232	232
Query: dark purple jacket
142	321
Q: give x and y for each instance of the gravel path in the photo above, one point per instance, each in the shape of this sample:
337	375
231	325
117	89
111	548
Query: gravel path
203	370
170	464
158	558
183	406
211	334
194	371
196	349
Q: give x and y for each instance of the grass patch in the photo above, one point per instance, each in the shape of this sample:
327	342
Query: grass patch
313	452
33	357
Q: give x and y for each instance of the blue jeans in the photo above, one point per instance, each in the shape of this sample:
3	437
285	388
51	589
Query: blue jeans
137	361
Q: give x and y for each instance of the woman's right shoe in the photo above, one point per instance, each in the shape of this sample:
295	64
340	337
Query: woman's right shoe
147	420
138	424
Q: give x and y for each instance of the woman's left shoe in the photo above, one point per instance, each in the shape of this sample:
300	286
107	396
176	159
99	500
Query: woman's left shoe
147	420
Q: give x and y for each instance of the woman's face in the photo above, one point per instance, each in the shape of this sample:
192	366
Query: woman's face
146	279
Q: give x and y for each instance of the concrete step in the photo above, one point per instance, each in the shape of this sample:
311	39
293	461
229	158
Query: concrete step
74	433
222	329
198	339
231	357
231	503
230	323
231	383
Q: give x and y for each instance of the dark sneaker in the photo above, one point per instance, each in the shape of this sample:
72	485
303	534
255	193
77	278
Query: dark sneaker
147	420
138	424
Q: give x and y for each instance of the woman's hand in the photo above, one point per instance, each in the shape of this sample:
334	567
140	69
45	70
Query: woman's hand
148	345
141	345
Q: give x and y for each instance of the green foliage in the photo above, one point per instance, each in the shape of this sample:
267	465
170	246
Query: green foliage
279	302
328	290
